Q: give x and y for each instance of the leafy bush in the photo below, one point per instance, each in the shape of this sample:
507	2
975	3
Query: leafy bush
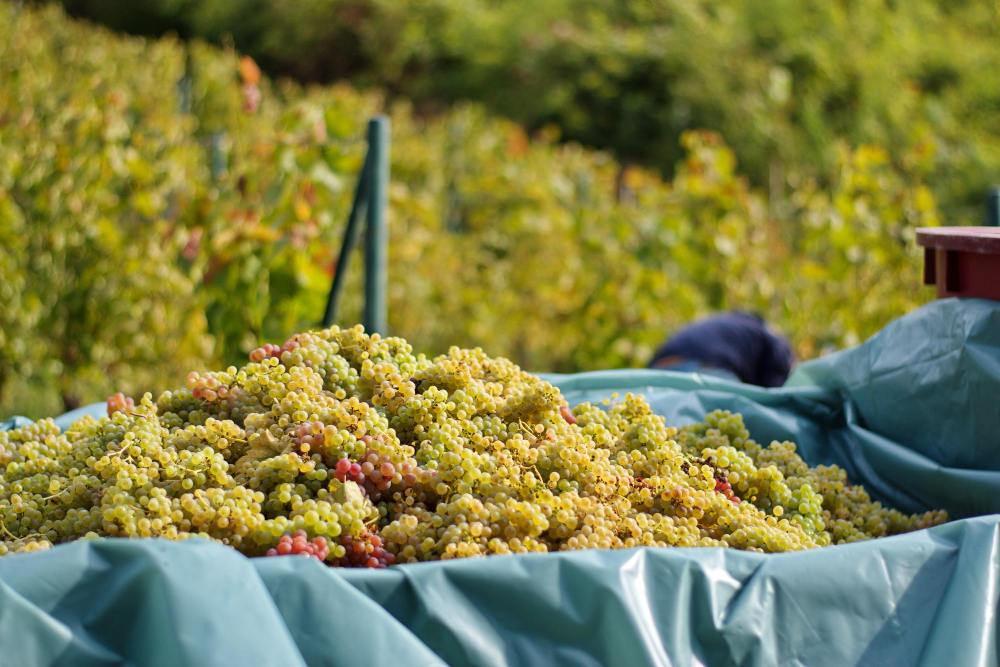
782	81
159	200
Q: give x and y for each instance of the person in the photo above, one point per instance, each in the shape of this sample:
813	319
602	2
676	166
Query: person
735	345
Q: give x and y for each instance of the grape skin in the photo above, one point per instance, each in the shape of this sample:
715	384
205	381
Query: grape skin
352	442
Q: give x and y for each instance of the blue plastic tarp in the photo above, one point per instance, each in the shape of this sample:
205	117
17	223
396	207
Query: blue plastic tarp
912	414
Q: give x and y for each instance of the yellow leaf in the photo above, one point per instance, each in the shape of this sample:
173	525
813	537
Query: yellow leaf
302	210
249	71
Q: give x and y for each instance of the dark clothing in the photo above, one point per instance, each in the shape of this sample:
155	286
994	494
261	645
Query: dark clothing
738	342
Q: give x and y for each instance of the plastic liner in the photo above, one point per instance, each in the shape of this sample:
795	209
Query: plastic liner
914	414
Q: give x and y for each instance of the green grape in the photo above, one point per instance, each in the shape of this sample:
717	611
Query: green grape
777	480
380	456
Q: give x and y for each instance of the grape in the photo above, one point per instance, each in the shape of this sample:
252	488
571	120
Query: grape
299	544
349	448
777	480
365	550
119	402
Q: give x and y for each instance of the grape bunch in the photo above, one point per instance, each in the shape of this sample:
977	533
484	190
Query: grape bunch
299	544
351	449
777	479
365	550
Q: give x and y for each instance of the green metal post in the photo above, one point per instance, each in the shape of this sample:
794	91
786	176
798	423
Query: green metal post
993	208
219	161
377	232
185	85
351	234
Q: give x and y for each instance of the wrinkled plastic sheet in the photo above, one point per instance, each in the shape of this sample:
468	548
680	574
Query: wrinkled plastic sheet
923	598
912	413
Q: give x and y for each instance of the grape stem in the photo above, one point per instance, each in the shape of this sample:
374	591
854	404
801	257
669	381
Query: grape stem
56	494
14	537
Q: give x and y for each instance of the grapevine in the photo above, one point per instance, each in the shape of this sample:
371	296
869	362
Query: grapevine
136	245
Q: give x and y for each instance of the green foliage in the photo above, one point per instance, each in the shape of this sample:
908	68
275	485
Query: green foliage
154	217
783	81
93	160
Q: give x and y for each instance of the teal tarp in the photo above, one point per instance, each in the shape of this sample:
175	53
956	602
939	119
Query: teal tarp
913	413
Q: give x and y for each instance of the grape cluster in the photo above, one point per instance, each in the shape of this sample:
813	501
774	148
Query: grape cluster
723	486
351	449
299	544
365	550
120	402
777	480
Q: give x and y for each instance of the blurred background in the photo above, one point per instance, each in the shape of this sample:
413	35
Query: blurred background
571	180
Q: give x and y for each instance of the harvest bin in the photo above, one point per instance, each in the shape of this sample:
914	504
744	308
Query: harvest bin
913	414
962	261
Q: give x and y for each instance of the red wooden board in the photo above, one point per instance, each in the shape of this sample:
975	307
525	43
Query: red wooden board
962	261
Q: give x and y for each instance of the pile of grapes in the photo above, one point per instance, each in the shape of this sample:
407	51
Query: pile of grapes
351	449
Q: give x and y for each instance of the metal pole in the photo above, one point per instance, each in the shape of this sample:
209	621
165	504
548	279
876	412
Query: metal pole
993	208
185	85
377	232
219	161
351	233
